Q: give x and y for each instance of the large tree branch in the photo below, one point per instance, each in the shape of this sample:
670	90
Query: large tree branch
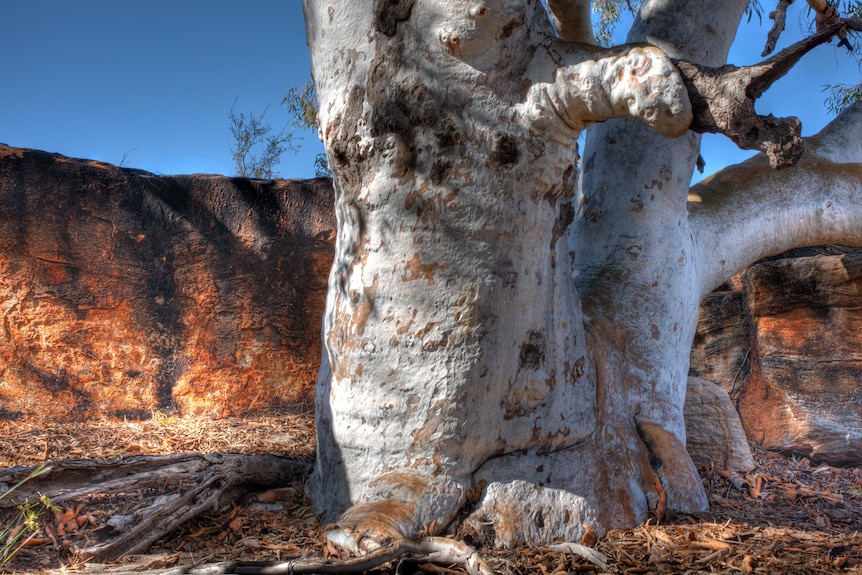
571	20
749	211
723	99
591	84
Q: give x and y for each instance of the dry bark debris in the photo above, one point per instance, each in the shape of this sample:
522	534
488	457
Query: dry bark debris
24	442
788	515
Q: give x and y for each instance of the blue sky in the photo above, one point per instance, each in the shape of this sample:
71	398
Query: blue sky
151	84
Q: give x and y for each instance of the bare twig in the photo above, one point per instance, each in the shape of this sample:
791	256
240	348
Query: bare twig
735	389
826	14
779	17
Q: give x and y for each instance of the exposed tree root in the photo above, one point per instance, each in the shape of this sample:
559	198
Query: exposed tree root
723	99
436	550
188	484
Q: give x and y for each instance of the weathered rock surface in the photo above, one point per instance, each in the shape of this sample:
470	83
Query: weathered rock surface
123	292
714	434
792	360
721	349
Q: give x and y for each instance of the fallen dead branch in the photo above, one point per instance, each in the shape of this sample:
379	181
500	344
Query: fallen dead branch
435	550
736	480
595	557
188	485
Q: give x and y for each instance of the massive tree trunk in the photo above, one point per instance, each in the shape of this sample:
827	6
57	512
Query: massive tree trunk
462	364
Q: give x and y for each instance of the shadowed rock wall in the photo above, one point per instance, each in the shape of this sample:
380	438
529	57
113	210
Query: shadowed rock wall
123	292
786	343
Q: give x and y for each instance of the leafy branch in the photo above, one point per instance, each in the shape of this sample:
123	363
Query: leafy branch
301	102
256	150
842	96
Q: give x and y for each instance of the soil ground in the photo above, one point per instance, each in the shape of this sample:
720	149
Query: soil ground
789	515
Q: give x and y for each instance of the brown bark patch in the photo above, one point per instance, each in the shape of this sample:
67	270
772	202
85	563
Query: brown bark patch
389	13
417	270
564	219
341	134
438	171
532	354
364	308
505	150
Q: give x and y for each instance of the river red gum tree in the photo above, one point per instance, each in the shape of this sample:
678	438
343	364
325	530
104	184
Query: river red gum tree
497	335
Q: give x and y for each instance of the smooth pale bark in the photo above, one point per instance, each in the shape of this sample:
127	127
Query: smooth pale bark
636	272
460	356
813	203
571	20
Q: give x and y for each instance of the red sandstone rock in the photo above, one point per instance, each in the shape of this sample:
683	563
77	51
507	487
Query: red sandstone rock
788	347
123	292
805	391
721	348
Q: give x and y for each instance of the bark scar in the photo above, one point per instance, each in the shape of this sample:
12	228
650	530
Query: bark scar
389	13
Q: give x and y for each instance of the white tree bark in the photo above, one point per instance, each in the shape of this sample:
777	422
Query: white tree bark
634	258
813	203
571	20
460	355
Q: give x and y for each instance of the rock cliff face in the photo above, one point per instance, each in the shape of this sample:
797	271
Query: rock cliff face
123	292
787	345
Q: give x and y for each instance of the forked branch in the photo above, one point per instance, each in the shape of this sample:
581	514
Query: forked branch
723	99
826	14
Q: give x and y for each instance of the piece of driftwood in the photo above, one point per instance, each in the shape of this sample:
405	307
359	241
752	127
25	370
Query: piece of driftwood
187	485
